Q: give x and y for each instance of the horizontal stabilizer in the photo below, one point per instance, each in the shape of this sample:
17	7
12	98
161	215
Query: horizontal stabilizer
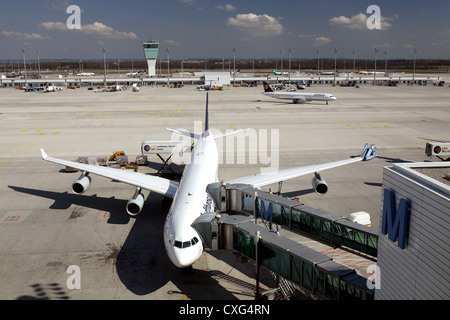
185	133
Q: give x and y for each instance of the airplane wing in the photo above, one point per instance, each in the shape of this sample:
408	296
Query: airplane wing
259	180
159	185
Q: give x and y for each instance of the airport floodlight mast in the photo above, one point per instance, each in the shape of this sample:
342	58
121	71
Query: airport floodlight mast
281	53
290	56
168	62
25	67
414	65
385	62
375	67
318	61
234	66
335	54
104	64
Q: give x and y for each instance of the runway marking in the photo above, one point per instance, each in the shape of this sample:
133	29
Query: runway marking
23	149
12	219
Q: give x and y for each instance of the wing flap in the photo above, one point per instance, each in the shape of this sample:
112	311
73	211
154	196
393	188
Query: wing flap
159	185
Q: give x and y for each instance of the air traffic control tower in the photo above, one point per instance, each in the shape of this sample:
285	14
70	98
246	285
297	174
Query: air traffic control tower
151	54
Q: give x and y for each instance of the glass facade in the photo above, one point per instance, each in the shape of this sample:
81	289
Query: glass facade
315	276
331	231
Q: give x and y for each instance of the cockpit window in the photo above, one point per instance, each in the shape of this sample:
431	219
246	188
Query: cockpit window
182	245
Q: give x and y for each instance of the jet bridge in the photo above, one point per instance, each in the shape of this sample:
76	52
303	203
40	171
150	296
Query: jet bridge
234	228
294	216
303	267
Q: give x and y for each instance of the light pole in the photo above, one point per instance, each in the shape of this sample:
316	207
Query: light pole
281	52
25	67
104	64
414	66
335	54
290	56
354	61
375	67
318	61
39	65
168	62
234	66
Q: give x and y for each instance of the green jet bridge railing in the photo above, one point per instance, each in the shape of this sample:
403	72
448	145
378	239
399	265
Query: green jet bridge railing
310	270
292	215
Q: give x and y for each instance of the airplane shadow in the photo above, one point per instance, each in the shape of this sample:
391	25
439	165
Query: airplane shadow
142	264
63	201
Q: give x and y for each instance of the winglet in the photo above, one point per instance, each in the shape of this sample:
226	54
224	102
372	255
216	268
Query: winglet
44	155
368	152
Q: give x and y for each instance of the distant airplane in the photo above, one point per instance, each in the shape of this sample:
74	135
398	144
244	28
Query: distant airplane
190	199
52	89
297	97
279	73
84	74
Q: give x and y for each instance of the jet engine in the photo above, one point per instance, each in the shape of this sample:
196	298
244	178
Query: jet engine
135	204
82	184
319	185
301	100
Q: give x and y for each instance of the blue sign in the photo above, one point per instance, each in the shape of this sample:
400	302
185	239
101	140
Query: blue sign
395	221
266	214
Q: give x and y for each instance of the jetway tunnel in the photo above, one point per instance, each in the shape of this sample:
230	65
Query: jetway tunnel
304	268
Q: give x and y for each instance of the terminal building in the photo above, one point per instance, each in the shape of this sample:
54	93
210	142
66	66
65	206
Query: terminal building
151	49
413	245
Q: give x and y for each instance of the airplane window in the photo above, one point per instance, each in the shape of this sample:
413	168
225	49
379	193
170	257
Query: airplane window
194	240
186	244
178	244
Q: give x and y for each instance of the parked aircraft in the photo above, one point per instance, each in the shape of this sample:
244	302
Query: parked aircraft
279	73
52	89
190	199
297	97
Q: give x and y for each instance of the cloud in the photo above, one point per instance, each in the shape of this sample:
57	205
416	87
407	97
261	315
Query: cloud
96	28
24	36
60	5
358	22
256	25
227	7
173	43
320	41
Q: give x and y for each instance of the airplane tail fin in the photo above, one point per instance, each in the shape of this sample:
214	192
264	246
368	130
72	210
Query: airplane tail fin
267	88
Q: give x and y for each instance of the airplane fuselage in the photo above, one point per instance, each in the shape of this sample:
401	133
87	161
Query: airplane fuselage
183	244
301	97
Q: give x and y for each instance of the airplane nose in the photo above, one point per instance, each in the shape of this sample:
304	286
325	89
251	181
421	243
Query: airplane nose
182	259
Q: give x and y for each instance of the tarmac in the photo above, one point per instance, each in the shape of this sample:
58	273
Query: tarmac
45	229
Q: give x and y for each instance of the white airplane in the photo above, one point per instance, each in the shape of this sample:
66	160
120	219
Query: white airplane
279	73
52	89
190	200
298	97
85	74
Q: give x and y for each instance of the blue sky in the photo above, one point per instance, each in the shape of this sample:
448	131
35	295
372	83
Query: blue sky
212	28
